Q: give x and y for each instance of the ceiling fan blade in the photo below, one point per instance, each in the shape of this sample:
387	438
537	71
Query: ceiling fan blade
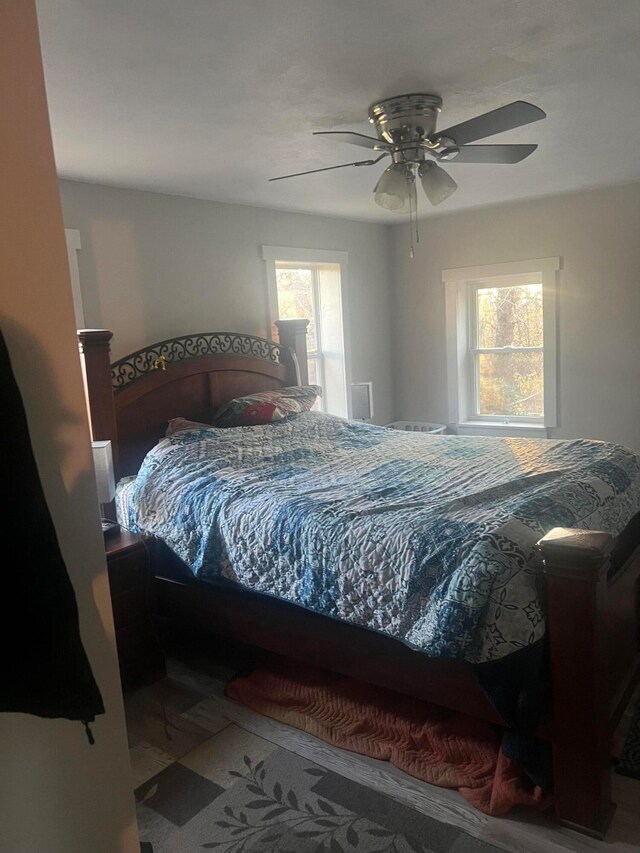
330	168
504	118
491	154
355	139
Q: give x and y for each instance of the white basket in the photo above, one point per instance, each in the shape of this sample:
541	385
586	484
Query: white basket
417	426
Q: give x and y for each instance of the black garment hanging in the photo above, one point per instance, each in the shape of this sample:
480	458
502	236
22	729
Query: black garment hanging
44	669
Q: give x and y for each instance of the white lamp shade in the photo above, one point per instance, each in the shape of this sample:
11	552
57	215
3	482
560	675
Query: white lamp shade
103	464
437	184
395	188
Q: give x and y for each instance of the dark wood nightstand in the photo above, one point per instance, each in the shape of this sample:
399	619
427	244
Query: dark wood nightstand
139	653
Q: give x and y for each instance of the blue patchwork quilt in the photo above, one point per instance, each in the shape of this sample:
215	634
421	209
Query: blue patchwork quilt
427	538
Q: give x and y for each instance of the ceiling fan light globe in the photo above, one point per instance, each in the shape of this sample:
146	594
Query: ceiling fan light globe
394	188
437	184
389	202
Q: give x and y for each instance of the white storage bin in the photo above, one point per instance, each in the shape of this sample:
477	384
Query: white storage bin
417	426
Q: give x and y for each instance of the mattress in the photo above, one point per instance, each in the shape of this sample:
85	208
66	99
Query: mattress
430	539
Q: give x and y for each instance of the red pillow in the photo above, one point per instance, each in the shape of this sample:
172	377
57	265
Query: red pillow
267	406
257	413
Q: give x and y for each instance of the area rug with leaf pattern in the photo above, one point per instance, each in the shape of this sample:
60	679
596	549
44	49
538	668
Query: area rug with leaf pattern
286	804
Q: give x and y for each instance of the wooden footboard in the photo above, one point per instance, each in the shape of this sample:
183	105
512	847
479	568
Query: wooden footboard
595	663
593	643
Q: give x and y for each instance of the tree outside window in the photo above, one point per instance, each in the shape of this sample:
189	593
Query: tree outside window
509	352
501	347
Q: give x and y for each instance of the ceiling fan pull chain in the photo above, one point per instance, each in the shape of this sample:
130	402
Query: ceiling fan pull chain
411	254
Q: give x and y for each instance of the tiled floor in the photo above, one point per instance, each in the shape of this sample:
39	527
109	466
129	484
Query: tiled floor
189	745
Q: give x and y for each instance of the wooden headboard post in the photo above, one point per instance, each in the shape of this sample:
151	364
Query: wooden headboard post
293	334
96	366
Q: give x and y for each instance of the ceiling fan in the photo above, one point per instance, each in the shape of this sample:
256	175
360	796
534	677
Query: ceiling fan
406	129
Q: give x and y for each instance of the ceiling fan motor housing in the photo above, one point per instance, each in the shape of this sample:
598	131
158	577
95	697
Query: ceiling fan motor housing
405	118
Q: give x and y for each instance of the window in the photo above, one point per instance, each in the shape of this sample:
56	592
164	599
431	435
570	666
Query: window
72	236
507	349
501	347
298	294
308	284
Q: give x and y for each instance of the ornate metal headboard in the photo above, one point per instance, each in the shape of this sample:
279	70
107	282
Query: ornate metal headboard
158	356
190	376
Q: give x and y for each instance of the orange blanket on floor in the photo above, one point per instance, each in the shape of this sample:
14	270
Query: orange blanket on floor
440	747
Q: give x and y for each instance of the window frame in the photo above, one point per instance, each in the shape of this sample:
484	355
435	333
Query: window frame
312	355
475	350
74	245
310	259
461	286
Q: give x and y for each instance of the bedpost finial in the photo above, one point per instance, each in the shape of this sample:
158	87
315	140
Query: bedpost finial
575	553
94	338
293	334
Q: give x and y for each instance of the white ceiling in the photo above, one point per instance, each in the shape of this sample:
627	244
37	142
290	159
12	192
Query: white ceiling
209	98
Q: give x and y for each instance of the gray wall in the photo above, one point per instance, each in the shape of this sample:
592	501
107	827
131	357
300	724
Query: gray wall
596	233
153	266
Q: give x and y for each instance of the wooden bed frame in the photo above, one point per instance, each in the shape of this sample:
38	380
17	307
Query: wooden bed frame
592	612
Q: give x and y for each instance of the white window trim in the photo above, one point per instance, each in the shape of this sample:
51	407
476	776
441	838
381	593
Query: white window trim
271	254
72	236
288	254
457	283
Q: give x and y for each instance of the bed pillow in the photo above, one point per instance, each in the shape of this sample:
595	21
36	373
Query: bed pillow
267	406
177	424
